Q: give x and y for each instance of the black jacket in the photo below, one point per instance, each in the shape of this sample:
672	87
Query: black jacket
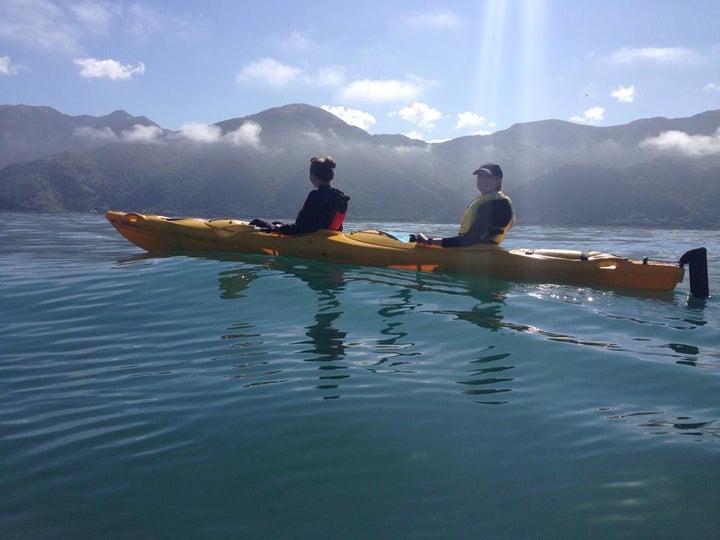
324	208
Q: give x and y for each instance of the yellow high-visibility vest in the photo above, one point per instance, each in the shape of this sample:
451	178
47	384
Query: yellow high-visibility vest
471	212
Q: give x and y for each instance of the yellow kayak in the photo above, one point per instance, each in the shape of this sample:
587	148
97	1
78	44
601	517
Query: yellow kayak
377	248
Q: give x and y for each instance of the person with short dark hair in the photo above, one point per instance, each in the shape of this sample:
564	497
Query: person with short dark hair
324	208
487	218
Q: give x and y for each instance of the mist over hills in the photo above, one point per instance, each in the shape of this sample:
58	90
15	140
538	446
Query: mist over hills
657	171
28	133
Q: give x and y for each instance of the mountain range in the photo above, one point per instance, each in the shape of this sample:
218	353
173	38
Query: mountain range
653	172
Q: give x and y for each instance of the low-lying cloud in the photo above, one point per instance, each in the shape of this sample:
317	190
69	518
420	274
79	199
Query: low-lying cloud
100	135
142	134
248	134
690	145
201	133
137	134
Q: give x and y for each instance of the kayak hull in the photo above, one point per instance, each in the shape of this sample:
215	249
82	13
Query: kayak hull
376	248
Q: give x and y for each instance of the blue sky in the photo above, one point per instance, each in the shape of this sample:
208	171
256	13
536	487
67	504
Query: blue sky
432	70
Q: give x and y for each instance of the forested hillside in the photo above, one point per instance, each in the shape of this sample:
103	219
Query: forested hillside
556	172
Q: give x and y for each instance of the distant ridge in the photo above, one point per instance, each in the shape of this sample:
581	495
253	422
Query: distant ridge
556	172
281	122
30	132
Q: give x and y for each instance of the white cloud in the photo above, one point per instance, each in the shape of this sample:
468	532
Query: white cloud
142	134
624	94
660	55
247	134
692	145
59	26
313	136
103	135
420	114
111	69
143	22
354	117
377	91
202	133
6	66
417	135
410	150
268	71
471	119
439	20
39	24
331	76
712	87
590	116
295	42
93	15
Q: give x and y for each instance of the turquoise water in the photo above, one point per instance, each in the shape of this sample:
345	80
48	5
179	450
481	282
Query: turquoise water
256	397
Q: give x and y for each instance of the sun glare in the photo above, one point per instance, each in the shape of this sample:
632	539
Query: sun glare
510	58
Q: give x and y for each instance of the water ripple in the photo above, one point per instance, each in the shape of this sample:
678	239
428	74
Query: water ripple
250	396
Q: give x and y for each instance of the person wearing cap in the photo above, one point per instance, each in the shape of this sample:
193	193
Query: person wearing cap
487	218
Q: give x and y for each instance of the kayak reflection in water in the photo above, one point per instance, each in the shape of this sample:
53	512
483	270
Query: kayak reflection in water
324	208
325	345
487	218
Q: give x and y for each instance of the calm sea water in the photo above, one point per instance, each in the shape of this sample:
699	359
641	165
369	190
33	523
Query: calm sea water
257	397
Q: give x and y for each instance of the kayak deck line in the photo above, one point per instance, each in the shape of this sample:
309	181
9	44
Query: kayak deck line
374	247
